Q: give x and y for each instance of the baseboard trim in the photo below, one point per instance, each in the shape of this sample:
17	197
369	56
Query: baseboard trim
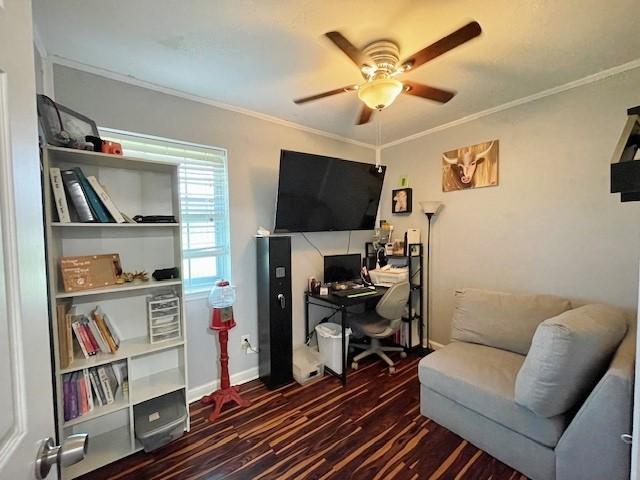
196	393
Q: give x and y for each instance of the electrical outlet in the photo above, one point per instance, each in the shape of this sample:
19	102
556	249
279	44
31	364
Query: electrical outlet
245	344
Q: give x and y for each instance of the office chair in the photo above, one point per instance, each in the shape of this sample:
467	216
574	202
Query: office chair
381	323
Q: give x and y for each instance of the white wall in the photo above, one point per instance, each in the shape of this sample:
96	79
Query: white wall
38	66
253	151
551	226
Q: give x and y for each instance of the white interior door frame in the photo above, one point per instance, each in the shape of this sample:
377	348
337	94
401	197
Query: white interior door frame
26	392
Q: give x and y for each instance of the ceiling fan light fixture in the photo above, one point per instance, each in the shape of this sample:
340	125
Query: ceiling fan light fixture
380	93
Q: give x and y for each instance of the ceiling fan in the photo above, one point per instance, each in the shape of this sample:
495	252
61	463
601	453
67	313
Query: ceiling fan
379	63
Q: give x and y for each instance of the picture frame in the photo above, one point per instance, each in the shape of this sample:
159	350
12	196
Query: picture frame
401	201
474	166
56	118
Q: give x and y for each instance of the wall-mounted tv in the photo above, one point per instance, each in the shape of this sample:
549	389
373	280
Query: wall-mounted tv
319	194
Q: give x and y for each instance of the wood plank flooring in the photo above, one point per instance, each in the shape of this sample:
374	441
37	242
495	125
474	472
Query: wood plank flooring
370	430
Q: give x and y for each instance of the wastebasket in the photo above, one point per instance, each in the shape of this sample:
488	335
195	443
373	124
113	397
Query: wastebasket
329	337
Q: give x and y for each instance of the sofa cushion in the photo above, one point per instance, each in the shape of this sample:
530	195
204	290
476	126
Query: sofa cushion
502	320
567	358
483	379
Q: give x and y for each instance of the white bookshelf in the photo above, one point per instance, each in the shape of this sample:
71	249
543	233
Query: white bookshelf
138	187
114	225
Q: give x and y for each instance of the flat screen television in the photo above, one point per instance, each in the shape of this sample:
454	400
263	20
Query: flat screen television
320	194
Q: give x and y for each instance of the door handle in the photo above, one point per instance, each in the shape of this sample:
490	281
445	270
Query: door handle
72	451
626	438
282	300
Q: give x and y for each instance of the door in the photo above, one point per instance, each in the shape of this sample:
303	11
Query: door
26	399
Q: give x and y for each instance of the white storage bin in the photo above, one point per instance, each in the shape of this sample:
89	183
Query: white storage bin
329	337
307	365
160	421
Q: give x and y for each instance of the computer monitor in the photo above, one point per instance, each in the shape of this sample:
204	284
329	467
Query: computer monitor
342	268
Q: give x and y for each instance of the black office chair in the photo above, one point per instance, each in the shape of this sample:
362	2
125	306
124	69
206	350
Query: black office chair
380	323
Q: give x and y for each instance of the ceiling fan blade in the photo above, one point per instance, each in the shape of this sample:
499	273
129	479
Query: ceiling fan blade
365	115
350	50
318	96
425	91
451	41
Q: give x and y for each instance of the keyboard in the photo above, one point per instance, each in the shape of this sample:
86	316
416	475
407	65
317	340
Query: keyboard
355	292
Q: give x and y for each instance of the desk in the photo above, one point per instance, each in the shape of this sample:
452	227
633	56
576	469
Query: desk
337	304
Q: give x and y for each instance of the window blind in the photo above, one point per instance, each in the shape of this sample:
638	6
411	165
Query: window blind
204	203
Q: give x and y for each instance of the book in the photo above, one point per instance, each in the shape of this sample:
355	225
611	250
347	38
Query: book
83	404
98	335
87	383
97	387
106	199
112	330
77	330
92	344
106	384
65	335
112	379
99	319
77	196
66	396
122	375
59	197
92	197
73	396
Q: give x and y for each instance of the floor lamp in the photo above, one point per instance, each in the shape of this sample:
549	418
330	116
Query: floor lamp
429	209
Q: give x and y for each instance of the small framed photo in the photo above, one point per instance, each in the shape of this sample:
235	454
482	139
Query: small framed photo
401	201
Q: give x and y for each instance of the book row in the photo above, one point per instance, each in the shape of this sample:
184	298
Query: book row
86	335
80	198
92	387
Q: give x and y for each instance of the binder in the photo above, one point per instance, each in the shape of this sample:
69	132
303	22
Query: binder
58	195
106	199
77	197
92	197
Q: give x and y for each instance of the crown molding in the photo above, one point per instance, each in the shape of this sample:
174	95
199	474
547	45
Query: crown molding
521	101
56	59
131	80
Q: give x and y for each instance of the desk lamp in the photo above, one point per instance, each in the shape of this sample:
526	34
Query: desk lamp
429	208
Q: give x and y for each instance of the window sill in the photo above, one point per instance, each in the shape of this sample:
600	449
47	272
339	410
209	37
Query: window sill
194	296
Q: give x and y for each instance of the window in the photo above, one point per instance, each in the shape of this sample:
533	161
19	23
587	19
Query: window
204	203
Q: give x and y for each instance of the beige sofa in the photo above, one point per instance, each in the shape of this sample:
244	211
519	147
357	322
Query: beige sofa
542	387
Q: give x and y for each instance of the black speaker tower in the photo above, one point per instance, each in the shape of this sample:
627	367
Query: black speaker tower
274	310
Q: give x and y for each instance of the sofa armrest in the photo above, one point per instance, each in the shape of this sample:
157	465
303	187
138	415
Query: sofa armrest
591	448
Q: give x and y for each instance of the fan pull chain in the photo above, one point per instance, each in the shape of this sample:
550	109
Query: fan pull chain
378	141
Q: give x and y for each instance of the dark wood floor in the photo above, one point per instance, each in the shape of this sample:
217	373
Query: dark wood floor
370	430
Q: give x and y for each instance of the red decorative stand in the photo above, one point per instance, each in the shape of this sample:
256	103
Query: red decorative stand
222	321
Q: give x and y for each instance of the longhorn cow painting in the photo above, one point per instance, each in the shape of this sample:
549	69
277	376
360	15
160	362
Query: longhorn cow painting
470	167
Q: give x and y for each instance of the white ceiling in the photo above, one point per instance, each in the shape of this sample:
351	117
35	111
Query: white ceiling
260	54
